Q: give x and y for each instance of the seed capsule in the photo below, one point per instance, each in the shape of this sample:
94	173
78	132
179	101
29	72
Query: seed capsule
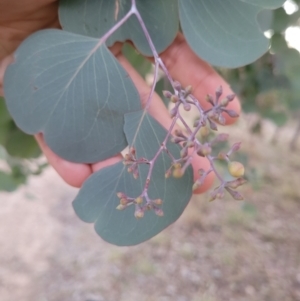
139	200
123	201
178	173
167	94
139	214
236	169
120	207
158	201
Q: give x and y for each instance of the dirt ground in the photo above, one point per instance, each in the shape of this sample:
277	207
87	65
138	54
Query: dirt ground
224	250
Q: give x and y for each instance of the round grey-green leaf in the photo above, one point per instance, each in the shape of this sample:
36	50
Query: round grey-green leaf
96	17
223	32
74	91
97	199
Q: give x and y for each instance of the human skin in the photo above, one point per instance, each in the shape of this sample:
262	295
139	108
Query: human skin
18	19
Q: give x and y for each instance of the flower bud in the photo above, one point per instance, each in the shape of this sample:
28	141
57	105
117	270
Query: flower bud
159	212
127	157
167	94
219	91
190	144
236	169
123	201
173	112
177	165
196	123
204	131
230	97
221	119
179	133
178	173
224	102
120	207
139	200
132	151
168	173
183	152
121	195
212	125
196	185
139	213
222	156
136	174
235	194
236	183
188	90
174	98
177	86
204	150
158	202
232	113
187	107
209	99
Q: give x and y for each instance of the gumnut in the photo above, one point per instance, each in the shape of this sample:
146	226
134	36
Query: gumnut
177	173
177	86
174	98
236	169
167	94
159	212
232	113
188	90
219	91
139	200
158	202
224	102
204	131
120	207
209	99
204	150
123	201
139	214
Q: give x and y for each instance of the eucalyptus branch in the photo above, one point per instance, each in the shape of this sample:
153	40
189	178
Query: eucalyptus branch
182	97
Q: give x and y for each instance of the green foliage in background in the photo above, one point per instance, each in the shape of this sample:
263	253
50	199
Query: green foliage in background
17	151
270	86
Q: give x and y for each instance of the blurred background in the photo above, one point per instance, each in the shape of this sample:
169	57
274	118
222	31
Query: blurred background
224	250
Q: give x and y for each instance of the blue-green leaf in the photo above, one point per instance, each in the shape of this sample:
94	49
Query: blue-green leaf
95	17
97	200
223	32
266	3
71	88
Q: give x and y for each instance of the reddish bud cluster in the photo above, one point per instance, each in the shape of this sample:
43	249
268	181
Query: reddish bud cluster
190	145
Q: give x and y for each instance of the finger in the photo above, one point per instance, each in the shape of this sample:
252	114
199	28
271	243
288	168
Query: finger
158	110
72	173
3	66
187	68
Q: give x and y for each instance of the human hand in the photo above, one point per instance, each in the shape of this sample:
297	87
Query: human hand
18	21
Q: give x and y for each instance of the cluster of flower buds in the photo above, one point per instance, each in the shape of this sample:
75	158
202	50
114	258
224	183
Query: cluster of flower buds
190	145
140	205
207	121
215	113
132	162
